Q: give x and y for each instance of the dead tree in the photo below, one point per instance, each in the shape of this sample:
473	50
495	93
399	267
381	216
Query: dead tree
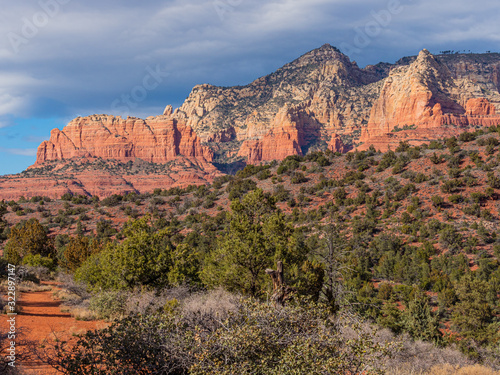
281	291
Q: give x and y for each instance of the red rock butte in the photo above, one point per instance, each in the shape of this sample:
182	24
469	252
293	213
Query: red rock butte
156	140
320	101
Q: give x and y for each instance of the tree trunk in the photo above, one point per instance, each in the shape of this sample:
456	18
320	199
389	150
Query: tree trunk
281	292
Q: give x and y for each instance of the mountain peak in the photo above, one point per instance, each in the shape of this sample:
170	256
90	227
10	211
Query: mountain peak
328	47
321	55
424	54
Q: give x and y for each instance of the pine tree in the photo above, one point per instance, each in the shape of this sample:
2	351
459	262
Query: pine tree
473	314
419	321
28	238
256	238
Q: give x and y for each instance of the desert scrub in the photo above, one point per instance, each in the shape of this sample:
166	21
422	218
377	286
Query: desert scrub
108	304
253	338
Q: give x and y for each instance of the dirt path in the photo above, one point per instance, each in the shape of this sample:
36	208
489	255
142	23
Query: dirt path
42	321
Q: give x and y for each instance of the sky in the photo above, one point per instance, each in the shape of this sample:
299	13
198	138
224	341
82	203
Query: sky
60	59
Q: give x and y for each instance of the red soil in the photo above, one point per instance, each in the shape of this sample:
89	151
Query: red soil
42	321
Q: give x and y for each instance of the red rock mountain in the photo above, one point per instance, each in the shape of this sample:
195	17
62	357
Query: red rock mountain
156	140
429	99
321	100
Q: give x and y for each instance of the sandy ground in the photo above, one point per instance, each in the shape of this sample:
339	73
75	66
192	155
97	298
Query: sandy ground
42	322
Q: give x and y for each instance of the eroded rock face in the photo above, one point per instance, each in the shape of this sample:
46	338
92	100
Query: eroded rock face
320	101
427	98
479	107
336	144
295	109
323	94
156	139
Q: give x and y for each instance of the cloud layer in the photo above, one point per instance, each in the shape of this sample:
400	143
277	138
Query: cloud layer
63	58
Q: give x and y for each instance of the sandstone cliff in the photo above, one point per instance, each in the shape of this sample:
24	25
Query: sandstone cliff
323	100
296	109
156	140
424	100
320	101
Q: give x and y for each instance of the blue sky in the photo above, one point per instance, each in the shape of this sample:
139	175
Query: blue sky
60	59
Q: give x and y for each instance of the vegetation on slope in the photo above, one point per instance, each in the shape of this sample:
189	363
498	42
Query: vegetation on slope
407	239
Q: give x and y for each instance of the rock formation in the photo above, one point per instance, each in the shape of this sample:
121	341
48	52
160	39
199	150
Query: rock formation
156	140
423	100
320	101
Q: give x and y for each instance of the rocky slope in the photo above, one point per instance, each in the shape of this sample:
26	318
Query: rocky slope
103	178
310	103
320	101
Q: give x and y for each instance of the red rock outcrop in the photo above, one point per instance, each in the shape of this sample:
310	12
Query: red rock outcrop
336	144
156	140
296	108
479	107
323	95
420	101
98	177
283	139
321	100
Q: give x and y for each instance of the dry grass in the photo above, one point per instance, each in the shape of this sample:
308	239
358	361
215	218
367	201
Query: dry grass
444	369
218	302
25	287
467	370
423	358
30	286
80	312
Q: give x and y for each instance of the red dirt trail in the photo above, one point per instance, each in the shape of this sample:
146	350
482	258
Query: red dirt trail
42	321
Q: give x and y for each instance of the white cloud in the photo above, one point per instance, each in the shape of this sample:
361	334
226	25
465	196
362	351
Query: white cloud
19	151
91	52
10	104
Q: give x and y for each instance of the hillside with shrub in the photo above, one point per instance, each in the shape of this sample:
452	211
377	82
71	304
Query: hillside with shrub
406	241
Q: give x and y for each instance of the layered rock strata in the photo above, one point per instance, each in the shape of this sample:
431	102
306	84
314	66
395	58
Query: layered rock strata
320	101
156	139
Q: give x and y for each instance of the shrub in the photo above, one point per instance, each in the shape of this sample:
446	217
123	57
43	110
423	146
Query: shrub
26	238
451	186
38	261
436	159
143	258
473	210
108	304
456	198
66	196
254	339
437	201
450	238
251	170
289	164
112	201
281	194
493	181
466	137
263	175
238	188
298	178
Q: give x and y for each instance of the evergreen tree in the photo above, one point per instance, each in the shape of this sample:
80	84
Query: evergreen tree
256	238
391	317
473	314
26	238
419	321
